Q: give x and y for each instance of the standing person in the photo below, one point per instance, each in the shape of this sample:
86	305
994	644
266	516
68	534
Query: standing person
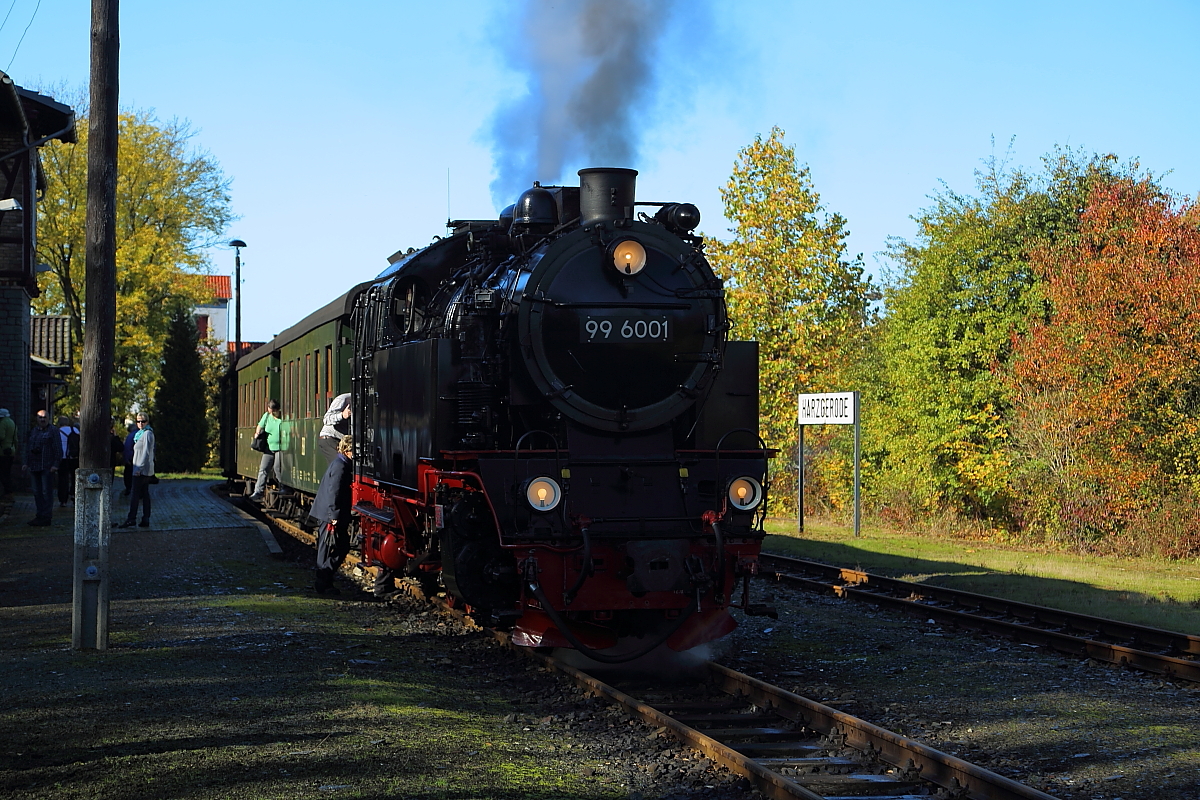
128	457
271	422
337	425
116	447
69	433
43	453
8	450
331	508
143	472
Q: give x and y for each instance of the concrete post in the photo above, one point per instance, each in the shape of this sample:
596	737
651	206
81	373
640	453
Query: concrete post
93	524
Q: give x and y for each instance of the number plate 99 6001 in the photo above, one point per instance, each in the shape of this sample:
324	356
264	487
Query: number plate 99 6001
594	329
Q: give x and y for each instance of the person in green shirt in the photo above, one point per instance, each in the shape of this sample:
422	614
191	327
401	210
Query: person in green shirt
269	462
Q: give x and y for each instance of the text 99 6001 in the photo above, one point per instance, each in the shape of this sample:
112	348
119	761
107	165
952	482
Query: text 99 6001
611	329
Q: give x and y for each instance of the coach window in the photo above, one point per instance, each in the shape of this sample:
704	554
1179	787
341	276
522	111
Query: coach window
328	374
318	354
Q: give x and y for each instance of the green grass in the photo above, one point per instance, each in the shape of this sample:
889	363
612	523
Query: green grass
1154	592
208	473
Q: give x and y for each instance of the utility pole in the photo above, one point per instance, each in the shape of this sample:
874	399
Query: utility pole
93	480
237	245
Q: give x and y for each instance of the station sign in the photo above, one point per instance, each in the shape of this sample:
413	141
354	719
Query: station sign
829	408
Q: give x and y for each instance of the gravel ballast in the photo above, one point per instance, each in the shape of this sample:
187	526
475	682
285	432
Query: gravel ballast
1072	728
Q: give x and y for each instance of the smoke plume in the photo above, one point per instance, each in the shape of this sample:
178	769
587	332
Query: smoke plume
591	74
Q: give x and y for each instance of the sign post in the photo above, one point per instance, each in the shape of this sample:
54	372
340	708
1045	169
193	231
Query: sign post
831	408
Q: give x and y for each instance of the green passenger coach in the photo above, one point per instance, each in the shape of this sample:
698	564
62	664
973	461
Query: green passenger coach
304	368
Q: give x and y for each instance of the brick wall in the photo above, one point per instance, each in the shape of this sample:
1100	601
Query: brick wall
16	262
14	356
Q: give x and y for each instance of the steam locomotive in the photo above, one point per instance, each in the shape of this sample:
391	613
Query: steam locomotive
550	423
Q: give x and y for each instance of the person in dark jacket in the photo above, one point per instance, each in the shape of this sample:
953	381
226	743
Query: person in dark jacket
116	448
331	508
128	453
70	435
43	454
8	450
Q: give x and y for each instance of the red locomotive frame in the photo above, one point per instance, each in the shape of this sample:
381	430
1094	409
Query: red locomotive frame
553	595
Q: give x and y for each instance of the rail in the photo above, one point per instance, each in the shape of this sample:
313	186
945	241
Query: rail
1161	652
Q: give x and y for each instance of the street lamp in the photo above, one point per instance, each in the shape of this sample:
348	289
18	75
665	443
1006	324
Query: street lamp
237	245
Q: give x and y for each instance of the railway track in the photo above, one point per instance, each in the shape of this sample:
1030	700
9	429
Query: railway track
1174	655
786	745
791	747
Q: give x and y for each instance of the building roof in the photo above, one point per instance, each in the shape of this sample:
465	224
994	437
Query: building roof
50	338
41	116
338	309
220	286
246	348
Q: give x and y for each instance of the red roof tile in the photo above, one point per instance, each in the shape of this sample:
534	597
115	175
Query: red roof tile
220	285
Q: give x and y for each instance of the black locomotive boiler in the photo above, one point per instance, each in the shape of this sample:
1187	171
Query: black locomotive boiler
551	422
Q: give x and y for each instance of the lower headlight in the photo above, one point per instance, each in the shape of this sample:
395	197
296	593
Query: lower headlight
542	493
745	493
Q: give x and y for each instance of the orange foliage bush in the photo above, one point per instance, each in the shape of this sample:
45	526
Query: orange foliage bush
1107	384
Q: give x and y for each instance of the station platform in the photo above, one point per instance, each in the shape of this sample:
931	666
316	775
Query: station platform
177	505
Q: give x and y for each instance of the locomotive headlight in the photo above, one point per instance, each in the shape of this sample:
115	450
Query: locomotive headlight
628	256
542	494
745	493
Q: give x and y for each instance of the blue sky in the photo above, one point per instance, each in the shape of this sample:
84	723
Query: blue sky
345	126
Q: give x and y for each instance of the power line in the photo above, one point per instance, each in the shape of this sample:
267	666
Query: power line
27	27
9	14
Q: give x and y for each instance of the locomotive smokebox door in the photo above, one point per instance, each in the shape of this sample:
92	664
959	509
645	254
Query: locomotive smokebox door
621	352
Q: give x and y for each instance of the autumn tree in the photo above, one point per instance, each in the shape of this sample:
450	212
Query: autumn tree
940	436
1109	379
180	426
790	287
171	203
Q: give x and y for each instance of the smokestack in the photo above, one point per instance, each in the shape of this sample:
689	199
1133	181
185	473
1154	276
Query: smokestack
606	194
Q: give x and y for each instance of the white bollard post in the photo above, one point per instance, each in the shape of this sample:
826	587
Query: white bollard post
89	610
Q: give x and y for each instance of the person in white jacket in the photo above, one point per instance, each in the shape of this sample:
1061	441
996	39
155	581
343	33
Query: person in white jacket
336	424
143	473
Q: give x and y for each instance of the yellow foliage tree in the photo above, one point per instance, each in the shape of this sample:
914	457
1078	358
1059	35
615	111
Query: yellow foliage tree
171	203
790	287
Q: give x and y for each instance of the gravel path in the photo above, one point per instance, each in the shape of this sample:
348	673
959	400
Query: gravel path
227	677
